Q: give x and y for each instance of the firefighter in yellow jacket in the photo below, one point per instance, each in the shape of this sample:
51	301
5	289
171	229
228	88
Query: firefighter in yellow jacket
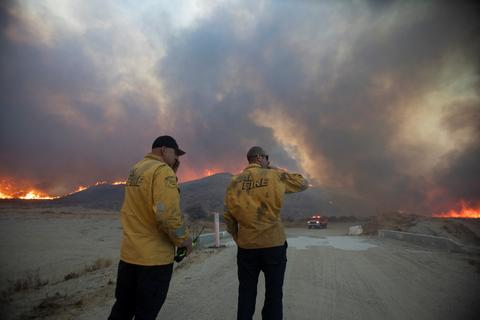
252	213
153	226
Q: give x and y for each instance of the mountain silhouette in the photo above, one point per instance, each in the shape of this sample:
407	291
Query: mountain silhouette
207	195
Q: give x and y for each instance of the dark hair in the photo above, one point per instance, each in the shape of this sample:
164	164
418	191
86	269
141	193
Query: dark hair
254	152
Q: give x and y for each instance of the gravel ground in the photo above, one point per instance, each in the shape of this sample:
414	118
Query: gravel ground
329	275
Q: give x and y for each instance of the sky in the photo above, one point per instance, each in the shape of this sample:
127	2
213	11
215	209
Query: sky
376	99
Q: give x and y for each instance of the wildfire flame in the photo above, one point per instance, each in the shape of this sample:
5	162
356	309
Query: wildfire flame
35	195
9	191
4	196
80	188
464	212
30	195
211	172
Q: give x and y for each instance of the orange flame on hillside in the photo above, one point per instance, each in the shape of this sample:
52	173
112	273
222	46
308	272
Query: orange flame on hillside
211	172
37	195
23	189
4	196
80	188
465	212
9	191
27	195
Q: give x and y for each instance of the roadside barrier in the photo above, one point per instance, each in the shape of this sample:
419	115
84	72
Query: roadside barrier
433	242
209	239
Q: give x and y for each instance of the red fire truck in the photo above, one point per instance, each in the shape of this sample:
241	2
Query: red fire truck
317	222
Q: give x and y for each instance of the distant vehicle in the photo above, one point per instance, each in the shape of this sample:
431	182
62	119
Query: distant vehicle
317	222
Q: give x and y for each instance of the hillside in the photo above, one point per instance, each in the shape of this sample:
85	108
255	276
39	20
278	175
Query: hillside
207	195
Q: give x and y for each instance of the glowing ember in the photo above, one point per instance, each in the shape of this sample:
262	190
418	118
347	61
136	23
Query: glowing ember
465	212
119	182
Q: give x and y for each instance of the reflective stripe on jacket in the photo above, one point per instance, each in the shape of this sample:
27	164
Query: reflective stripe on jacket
151	218
253	202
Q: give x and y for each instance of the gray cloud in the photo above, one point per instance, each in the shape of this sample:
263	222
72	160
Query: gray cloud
341	115
340	91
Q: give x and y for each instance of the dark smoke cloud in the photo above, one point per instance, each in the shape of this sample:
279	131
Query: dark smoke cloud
340	116
458	173
332	89
51	135
46	145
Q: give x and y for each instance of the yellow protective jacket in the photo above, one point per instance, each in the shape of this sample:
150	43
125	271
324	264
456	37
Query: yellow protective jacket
151	218
253	202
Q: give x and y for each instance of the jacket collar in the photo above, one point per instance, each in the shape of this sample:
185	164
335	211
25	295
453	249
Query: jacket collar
252	165
154	157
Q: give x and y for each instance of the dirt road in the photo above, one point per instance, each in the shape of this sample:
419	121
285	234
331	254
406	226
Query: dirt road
331	276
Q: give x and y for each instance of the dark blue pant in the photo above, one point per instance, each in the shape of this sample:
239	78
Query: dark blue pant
272	261
140	291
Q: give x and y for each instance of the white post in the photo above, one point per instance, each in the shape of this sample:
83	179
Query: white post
217	230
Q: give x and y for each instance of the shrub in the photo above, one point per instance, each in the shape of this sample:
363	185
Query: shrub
196	212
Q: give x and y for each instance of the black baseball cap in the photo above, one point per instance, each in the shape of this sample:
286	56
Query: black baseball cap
169	142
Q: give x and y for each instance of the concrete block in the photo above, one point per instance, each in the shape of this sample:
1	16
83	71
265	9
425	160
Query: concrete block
355	230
